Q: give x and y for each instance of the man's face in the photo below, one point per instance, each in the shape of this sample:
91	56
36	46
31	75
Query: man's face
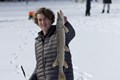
43	22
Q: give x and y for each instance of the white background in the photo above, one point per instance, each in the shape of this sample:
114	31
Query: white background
95	48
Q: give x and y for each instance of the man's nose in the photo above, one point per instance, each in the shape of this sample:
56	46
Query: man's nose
43	21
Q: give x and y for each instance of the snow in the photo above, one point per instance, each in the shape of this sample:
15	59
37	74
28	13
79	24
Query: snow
95	48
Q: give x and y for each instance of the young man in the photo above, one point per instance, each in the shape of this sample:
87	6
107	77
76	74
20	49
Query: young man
46	47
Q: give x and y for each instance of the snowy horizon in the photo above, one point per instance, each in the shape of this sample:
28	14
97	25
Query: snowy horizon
95	48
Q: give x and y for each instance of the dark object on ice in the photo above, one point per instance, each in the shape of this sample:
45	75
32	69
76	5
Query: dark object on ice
23	71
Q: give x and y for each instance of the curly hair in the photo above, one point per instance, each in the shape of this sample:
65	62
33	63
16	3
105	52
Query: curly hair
46	12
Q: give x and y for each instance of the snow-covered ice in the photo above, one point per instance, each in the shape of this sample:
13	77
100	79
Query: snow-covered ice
95	48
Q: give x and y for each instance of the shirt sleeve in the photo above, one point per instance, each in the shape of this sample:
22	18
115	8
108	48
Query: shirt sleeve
70	34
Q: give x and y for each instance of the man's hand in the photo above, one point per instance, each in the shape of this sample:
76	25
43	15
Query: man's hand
65	19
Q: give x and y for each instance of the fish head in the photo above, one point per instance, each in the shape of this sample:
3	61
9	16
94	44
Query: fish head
60	17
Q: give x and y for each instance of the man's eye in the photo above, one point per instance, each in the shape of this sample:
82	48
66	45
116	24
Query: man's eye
40	20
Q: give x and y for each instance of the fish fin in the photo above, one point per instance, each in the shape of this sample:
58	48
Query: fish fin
61	76
66	29
55	63
65	64
67	49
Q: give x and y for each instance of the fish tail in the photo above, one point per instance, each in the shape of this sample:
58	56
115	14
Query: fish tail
61	76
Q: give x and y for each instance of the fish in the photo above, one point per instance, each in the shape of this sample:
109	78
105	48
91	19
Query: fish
61	48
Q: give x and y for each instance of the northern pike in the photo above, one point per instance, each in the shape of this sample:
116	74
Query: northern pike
61	48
